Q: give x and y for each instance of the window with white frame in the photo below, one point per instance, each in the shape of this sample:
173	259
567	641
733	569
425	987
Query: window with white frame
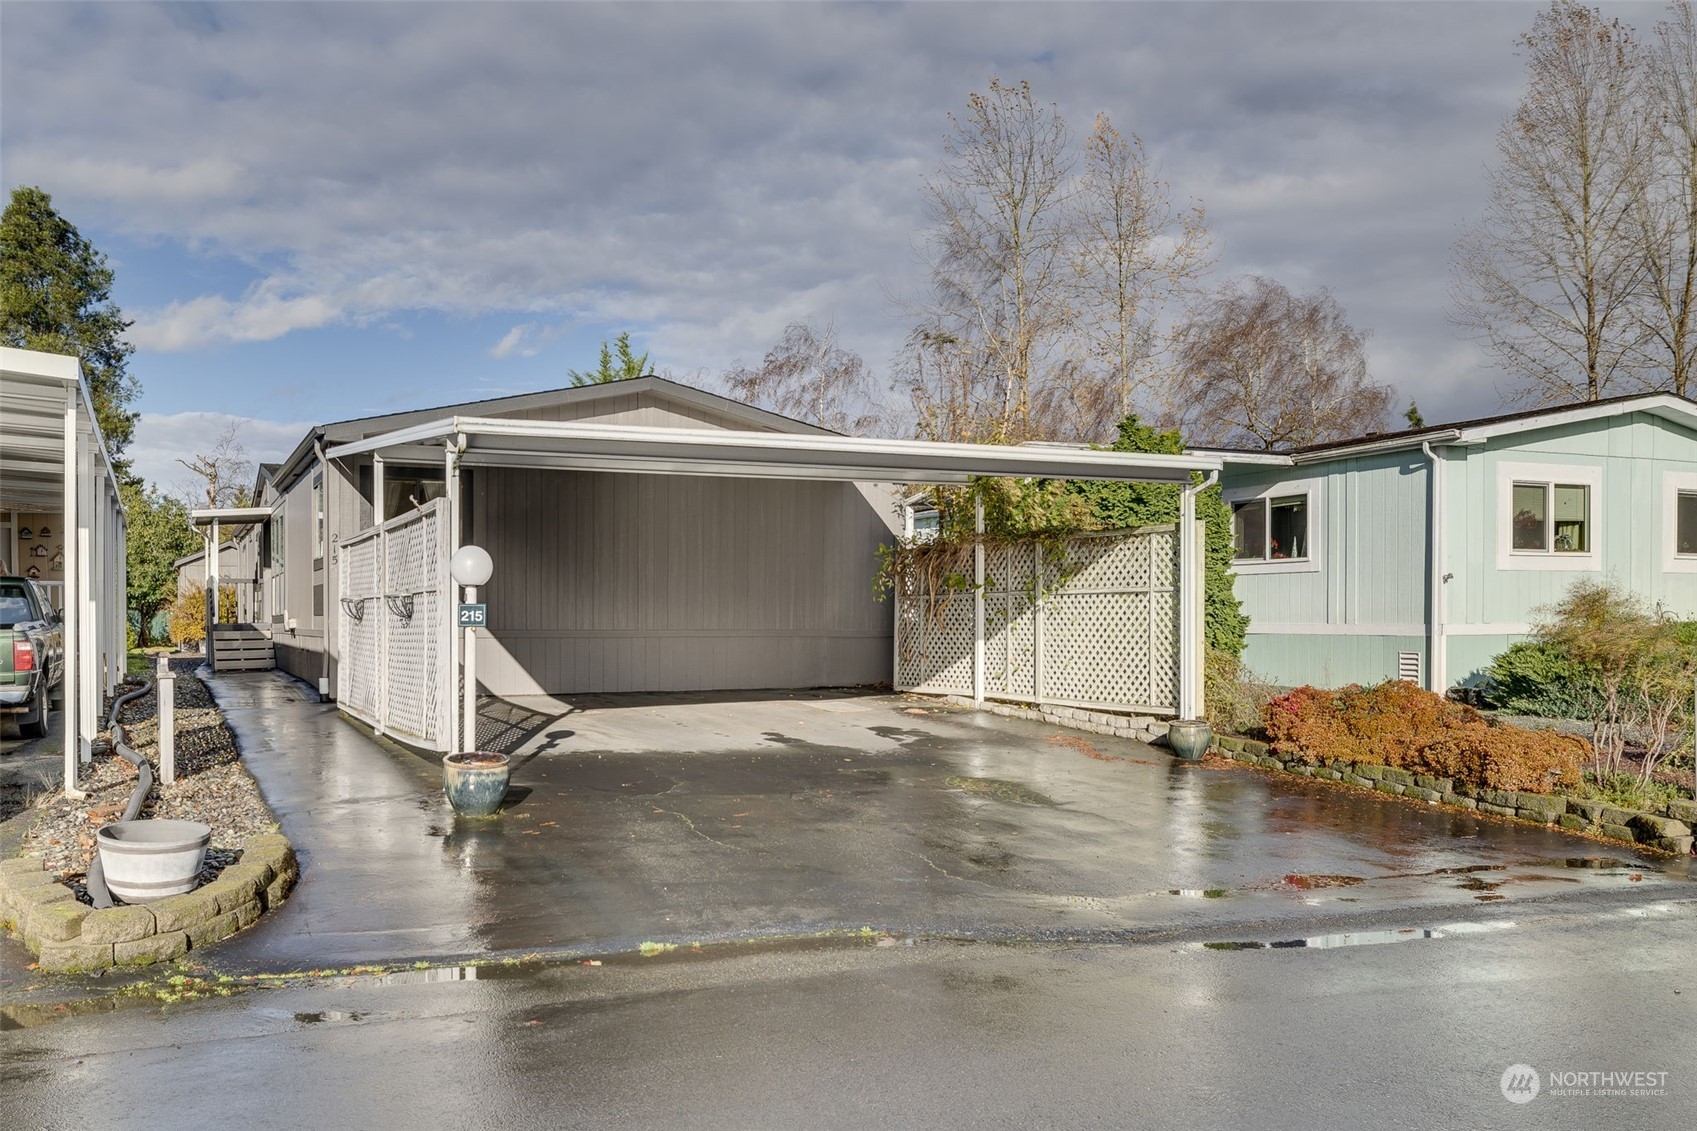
318	518
1549	516
1679	521
1273	528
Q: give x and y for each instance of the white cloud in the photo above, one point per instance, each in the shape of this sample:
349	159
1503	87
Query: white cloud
707	172
512	343
162	439
261	315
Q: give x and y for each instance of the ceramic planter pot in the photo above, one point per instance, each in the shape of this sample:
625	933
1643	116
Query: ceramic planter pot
148	860
475	782
1189	738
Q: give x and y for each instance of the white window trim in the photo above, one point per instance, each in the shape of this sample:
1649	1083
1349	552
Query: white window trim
1512	560
1674	482
1309	488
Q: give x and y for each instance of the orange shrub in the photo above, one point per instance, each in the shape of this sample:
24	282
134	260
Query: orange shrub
1400	725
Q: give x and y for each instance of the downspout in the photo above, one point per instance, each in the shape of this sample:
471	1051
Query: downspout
324	632
98	893
1437	662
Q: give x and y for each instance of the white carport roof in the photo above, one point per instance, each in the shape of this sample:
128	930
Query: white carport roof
54	459
491	442
38	392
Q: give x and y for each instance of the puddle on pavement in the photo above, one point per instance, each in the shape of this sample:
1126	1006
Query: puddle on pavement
1316	881
999	789
1358	938
1199	893
604	778
325	1015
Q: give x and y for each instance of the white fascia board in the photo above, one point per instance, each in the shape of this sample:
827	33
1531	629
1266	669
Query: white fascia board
1374	447
234	515
1665	405
780	454
1247	459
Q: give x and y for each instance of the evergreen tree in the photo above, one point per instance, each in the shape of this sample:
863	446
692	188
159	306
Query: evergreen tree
56	296
627	366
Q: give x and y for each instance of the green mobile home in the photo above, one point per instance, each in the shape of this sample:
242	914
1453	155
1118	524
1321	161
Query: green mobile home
1422	554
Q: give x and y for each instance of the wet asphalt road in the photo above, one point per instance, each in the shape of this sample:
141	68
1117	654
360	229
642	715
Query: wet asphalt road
1402	1035
691	818
1437	949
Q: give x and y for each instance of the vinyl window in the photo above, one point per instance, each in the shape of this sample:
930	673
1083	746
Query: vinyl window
1270	529
1550	518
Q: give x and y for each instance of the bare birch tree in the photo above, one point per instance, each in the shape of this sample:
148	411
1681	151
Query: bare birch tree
1549	278
998	250
1667	206
810	376
222	471
1260	367
1134	253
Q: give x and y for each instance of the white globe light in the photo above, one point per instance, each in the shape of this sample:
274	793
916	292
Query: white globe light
471	565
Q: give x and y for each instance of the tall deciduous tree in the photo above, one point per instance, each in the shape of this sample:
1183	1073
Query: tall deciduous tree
1261	367
1667	208
998	252
56	296
221	472
1549	279
1133	254
810	376
156	534
626	365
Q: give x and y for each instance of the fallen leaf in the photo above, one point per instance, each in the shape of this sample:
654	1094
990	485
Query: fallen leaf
532	1021
1636	876
590	962
742	814
549	825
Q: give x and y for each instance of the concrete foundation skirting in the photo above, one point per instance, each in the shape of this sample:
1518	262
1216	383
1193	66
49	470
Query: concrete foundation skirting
1666	829
69	937
1143	728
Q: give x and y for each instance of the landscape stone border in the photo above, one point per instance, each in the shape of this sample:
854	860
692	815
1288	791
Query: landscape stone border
70	937
1665	828
1144	728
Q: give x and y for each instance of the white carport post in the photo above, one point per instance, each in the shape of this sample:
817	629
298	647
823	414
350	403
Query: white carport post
455	679
1190	584
978	603
69	603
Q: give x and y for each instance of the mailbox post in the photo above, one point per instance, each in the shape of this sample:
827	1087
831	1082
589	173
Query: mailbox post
470	567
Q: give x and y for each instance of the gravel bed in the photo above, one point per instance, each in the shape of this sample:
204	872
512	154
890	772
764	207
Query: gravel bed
212	786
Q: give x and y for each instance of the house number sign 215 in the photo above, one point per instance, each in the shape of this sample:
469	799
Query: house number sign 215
474	616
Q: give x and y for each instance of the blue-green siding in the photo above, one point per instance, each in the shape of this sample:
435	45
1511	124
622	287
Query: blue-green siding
1347	620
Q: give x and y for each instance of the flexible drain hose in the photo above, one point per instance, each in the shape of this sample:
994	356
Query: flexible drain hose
97	890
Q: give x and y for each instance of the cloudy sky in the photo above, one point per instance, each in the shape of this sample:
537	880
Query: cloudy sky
319	211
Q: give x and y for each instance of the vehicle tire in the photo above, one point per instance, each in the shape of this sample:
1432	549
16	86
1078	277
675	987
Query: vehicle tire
34	724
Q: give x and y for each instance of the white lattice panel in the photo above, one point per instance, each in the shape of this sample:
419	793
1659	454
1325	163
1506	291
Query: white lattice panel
1104	631
395	589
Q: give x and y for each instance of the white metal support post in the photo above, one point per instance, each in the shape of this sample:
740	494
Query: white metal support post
88	647
978	603
1189	606
380	701
470	744
454	680
212	597
70	605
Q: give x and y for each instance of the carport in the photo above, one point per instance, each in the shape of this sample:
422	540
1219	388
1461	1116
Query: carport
463	443
53	460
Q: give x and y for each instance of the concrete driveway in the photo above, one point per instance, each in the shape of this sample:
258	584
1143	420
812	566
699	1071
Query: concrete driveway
645	818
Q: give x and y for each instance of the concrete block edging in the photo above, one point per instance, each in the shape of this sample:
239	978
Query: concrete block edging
69	937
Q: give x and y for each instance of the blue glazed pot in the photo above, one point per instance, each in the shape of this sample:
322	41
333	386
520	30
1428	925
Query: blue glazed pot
1189	738
475	783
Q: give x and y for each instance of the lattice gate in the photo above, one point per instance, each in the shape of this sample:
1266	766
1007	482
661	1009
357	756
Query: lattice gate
1092	625
394	665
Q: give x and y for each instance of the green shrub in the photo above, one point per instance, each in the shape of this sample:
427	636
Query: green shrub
1400	725
1539	678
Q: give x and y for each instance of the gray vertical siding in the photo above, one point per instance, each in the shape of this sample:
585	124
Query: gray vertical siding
612	582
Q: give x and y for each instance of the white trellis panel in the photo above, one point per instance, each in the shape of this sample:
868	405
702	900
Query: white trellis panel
395	586
1095	625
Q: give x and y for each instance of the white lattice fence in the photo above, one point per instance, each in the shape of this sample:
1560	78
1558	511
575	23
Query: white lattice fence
394	617
1094	626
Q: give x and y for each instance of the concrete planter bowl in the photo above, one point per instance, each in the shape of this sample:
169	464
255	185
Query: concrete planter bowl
1190	738
475	782
148	860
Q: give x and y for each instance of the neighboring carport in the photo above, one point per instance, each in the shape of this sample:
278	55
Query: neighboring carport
53	460
468	443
